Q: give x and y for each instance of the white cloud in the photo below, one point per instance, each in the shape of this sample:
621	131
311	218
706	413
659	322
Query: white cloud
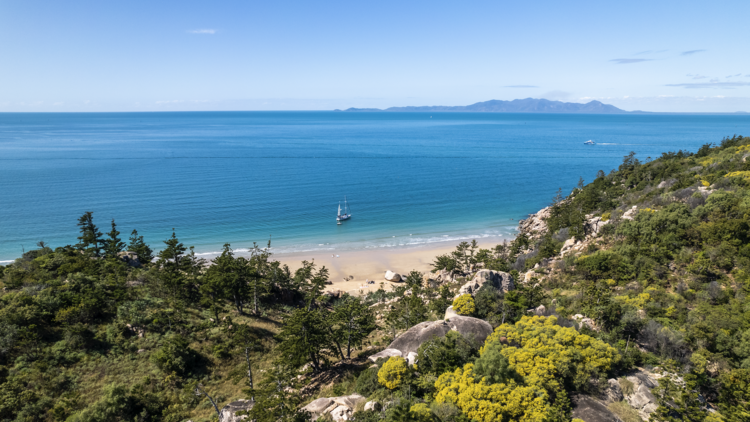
203	31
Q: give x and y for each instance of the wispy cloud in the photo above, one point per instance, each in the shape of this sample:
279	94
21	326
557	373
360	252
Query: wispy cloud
699	77
689	52
629	61
734	76
521	86
203	31
713	83
649	52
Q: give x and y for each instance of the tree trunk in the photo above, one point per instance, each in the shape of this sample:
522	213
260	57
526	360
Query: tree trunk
349	342
336	342
249	370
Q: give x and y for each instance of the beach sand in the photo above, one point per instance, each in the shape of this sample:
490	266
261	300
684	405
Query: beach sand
369	264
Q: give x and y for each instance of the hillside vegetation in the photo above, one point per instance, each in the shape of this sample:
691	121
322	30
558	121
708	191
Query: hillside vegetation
645	267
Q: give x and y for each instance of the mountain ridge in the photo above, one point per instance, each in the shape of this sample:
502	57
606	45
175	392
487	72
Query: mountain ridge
526	105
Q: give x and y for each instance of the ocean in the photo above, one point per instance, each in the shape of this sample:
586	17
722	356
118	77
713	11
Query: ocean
244	177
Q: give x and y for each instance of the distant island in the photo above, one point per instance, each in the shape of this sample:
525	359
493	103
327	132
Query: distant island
527	105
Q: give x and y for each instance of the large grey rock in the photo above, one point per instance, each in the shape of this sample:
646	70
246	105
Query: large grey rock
130	258
318	407
387	353
229	412
496	279
349	401
450	313
590	409
372	406
641	398
613	391
469	327
391	276
340	408
535	224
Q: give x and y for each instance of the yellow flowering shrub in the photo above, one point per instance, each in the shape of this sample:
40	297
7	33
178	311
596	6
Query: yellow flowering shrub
491	402
547	351
637	302
392	373
543	354
606	216
743	174
705	183
464	305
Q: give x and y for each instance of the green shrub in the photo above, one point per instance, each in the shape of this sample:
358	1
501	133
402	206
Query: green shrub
173	356
367	382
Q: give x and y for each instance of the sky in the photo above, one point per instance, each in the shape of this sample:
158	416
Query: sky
669	56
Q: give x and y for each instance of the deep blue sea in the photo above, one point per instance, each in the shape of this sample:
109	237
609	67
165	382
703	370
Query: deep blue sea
240	177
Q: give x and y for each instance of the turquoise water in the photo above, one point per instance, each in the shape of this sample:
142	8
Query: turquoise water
240	177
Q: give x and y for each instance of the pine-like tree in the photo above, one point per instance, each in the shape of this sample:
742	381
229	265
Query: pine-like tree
304	337
114	244
353	321
90	240
137	245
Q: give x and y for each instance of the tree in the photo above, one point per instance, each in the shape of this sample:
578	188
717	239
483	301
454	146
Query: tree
90	239
493	366
407	312
259	273
114	244
303	338
354	320
228	278
137	245
276	398
392	374
311	283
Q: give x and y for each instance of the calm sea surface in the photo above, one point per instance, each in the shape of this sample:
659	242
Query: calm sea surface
240	177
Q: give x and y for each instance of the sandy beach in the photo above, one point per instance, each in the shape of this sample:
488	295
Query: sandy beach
371	264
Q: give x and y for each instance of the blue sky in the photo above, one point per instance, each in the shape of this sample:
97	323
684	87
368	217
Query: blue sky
304	55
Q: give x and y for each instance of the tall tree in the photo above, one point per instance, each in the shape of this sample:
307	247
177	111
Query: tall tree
90	239
172	280
276	398
139	246
304	336
311	283
353	320
259	274
114	244
229	273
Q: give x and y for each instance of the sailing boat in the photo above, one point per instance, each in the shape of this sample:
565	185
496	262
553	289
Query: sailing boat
347	212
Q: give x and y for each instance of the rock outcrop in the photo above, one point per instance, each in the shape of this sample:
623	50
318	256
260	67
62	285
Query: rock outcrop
630	214
130	258
229	412
472	328
372	406
640	396
340	408
584	320
590	409
535	225
450	313
391	276
496	279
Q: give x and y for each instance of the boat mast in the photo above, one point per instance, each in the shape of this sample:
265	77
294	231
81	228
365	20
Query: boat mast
339	214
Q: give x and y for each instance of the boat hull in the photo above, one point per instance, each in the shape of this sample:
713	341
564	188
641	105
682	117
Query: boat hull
343	217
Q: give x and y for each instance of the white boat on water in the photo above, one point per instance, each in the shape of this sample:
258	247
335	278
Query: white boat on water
346	215
589	142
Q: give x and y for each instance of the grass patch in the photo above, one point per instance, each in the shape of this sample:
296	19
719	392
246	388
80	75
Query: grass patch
624	411
627	387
